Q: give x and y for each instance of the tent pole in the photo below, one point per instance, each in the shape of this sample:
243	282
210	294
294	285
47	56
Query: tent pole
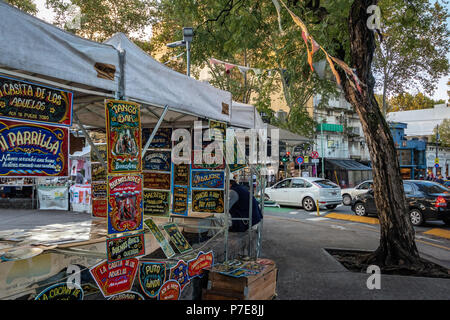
250	212
226	203
88	138
155	129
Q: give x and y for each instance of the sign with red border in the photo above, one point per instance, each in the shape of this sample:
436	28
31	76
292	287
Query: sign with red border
196	266
170	290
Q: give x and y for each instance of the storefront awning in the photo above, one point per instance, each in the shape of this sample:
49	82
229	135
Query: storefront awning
348	164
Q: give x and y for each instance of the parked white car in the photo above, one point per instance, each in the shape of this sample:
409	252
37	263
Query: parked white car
348	194
304	192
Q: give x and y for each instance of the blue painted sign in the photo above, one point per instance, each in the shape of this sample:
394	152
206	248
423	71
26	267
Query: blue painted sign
208	179
152	276
157	160
33	150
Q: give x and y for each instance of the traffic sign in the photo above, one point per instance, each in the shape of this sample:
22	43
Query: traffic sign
315	160
436	160
436	165
314	155
306	159
299	160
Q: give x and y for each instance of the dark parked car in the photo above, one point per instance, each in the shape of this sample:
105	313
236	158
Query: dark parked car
427	201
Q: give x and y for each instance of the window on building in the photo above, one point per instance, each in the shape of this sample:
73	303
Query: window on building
405	157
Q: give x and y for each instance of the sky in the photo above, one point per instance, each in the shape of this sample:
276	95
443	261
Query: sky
440	93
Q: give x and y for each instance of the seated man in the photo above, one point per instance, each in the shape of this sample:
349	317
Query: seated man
239	198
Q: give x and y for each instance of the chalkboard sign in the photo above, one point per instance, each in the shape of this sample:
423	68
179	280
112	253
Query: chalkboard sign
27	101
208	200
161	140
177	238
156	203
156	180
123	132
157	160
208	179
181	174
180	201
125	247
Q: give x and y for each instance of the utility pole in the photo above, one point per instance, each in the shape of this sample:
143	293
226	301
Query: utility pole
322	151
437	154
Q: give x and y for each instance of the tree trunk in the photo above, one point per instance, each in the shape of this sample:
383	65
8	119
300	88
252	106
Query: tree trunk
397	246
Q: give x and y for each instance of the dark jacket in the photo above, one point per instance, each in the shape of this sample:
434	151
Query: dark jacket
241	210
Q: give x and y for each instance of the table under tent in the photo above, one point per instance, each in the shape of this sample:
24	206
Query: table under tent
117	69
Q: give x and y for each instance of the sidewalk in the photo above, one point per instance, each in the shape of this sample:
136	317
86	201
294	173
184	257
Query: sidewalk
307	271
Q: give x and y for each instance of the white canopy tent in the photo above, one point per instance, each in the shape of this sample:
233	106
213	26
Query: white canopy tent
245	116
42	53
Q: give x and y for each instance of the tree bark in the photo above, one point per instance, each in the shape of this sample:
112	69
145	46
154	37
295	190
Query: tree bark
397	246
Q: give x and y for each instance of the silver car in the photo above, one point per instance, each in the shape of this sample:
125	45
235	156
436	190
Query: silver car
304	192
348	194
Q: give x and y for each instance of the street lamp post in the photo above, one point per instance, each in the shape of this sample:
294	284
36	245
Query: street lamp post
188	35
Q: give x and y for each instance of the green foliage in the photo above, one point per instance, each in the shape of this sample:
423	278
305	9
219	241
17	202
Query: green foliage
407	101
100	19
25	5
444	133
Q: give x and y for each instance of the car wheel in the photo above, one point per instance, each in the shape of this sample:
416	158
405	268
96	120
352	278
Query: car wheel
416	217
308	204
347	200
360	209
331	206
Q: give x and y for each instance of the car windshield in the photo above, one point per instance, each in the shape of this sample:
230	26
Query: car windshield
429	187
325	184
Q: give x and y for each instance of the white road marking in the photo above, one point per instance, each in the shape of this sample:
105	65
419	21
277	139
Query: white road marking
426	238
293	212
337	227
318	219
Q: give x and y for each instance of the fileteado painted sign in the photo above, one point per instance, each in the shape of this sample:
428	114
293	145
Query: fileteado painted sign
116	277
27	101
125	205
123	133
61	291
152	276
202	261
125	247
208	200
208	179
28	149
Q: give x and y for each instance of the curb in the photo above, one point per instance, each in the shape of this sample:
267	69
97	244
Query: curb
340	216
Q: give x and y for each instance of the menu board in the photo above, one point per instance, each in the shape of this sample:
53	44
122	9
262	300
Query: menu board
125	205
208	200
163	243
181	174
156	180
161	140
33	150
177	238
156	203
157	160
180	201
31	102
123	134
208	179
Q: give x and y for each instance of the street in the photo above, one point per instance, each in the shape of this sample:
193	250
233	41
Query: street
297	240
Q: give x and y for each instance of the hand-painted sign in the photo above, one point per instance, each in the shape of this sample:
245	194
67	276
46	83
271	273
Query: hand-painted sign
33	150
218	130
125	247
161	140
152	276
208	200
157	203
196	266
28	101
61	291
98	171
170	290
156	180
181	174
179	273
208	179
177	238
130	296
116	277
125	205
164	244
99	190
180	201
99	208
157	160
123	135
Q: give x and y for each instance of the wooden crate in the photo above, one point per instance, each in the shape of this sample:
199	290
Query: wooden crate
258	287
